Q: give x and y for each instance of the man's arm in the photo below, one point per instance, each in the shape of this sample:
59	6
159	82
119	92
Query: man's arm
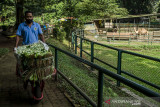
17	41
40	33
42	37
18	33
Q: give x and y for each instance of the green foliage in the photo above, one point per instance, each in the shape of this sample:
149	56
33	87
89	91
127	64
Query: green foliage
7	11
59	33
84	11
52	10
3	51
140	6
91	9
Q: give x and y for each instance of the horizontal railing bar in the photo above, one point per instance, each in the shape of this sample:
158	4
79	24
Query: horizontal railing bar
100	44
86	52
149	83
143	56
128	82
84	39
105	63
78	89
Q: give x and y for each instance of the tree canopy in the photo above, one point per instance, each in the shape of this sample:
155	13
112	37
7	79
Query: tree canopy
136	7
54	9
83	10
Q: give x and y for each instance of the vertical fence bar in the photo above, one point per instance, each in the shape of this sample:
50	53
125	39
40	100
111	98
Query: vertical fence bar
75	44
129	40
56	63
92	53
73	37
81	47
149	23
83	33
119	65
119	29
148	39
134	22
100	89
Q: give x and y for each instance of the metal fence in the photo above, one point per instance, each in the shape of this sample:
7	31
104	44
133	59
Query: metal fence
119	64
126	32
102	71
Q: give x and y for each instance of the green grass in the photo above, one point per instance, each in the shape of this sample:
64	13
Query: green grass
3	51
140	67
82	77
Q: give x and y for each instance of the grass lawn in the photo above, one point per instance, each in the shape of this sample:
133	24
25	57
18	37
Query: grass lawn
140	67
82	77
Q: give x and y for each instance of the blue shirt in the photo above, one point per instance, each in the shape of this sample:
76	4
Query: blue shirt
30	34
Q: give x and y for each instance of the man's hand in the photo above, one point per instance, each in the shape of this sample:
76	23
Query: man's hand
42	38
14	49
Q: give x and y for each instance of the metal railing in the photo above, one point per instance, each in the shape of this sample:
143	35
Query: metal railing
119	78
118	68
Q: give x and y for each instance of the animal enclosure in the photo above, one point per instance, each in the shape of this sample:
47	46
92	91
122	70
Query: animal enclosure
142	28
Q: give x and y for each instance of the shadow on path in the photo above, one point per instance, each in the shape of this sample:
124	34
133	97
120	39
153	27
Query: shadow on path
12	93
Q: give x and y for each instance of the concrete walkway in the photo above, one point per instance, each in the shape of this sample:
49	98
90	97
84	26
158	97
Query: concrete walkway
12	93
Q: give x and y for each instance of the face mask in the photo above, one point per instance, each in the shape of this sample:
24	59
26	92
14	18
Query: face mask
29	21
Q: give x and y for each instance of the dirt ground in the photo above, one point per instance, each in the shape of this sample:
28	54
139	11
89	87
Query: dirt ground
12	93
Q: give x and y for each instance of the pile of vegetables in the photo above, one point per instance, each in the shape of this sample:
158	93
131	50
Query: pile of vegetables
35	59
35	50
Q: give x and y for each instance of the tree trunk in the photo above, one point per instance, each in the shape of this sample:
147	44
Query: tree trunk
19	12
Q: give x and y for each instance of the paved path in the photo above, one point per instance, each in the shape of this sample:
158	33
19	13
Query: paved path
12	93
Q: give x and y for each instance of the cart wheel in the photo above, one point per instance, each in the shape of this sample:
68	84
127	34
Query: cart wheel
37	93
54	72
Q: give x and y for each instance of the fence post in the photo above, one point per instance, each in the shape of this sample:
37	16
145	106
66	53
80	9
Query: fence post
148	39
129	40
119	65
100	89
83	33
75	44
119	30
81	47
56	63
92	53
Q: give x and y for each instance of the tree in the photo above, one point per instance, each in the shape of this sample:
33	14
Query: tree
7	9
91	9
140	6
19	12
156	6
